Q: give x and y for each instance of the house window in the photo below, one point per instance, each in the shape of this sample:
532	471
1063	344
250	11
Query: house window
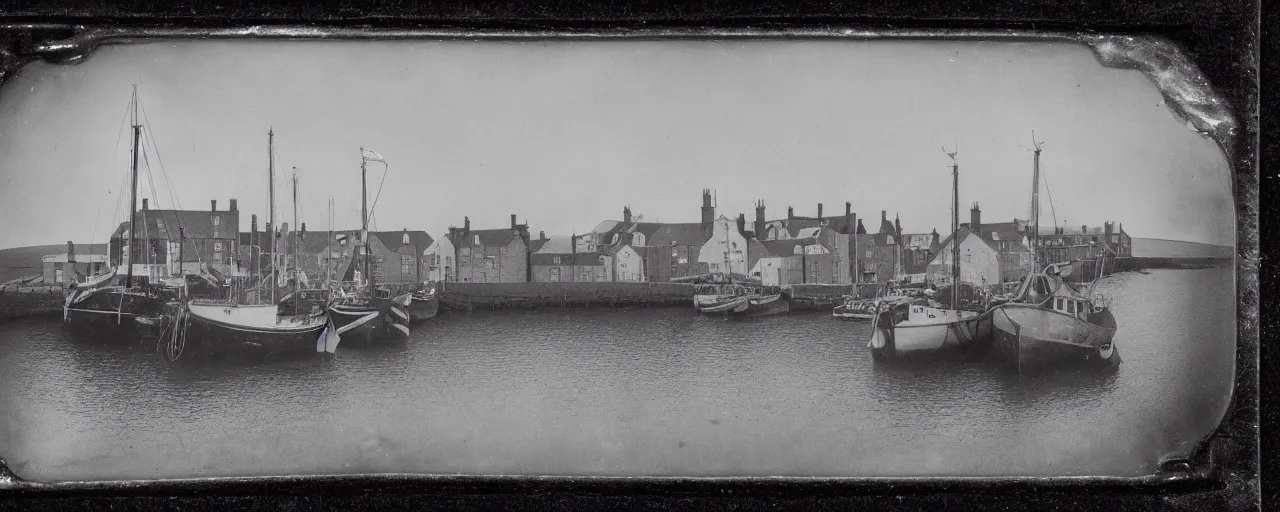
216	220
502	251
217	246
57	276
555	260
406	263
813	274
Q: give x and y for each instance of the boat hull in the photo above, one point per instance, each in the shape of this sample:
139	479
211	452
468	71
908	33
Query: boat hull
726	307
764	306
1032	338
210	336
423	307
356	322
952	331
112	313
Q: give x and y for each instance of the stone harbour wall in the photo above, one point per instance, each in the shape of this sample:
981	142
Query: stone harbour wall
464	296
42	301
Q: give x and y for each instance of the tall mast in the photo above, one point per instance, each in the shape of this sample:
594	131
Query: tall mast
364	220
328	248
295	232
271	202
1035	205
955	233
133	190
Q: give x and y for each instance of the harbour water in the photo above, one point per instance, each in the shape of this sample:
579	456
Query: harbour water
656	392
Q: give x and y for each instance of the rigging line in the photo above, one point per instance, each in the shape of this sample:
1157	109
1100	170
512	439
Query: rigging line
160	160
120	132
385	168
1049	193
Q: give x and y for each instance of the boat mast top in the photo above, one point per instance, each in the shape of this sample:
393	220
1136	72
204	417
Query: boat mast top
1035	204
271	204
133	189
364	220
955	228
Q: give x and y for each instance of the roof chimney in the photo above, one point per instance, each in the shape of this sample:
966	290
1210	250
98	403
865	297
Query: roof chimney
513	221
849	226
742	223
213	205
819	210
253	223
884	217
233	205
144	203
1084	229
71	252
542	235
626	214
975	218
466	225
760	222
791	213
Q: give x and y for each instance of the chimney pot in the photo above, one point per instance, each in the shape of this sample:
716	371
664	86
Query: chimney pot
819	210
791	213
213	205
884	216
542	235
848	208
234	207
513	221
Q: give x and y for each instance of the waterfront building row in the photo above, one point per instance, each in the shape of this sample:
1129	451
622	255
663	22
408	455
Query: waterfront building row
791	250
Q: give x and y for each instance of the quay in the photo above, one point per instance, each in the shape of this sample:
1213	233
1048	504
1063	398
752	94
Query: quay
46	301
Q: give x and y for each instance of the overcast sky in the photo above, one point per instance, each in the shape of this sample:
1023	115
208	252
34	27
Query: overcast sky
566	133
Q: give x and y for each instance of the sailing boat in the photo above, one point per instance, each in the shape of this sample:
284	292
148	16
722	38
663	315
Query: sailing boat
1048	321
368	316
105	308
230	328
907	328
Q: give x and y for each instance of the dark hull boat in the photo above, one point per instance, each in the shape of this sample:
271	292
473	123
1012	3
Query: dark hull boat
301	302
423	305
115	311
372	321
765	305
1053	324
227	330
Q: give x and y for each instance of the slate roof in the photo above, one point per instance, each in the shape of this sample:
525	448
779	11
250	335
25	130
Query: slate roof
393	239
918	241
689	233
582	259
998	231
782	248
794	226
195	224
488	237
555	244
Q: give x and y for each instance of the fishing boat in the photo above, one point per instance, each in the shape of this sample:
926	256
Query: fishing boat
207	327
105	306
424	303
921	327
1049	322
371	315
853	308
736	295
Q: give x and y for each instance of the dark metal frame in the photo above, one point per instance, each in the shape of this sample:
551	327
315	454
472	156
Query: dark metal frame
1201	42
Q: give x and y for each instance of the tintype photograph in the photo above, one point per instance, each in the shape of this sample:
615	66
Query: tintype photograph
613	257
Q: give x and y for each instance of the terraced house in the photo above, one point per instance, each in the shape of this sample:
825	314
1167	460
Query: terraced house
491	255
670	250
167	242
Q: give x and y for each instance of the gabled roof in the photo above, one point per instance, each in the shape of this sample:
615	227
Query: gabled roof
964	234
582	259
393	239
555	244
781	248
194	224
689	233
918	241
795	225
487	237
999	231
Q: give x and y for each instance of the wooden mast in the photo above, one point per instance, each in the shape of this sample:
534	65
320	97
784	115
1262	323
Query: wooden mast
1035	206
955	230
271	202
296	226
364	221
133	190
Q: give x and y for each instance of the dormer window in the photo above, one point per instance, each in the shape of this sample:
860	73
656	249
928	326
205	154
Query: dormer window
404	239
